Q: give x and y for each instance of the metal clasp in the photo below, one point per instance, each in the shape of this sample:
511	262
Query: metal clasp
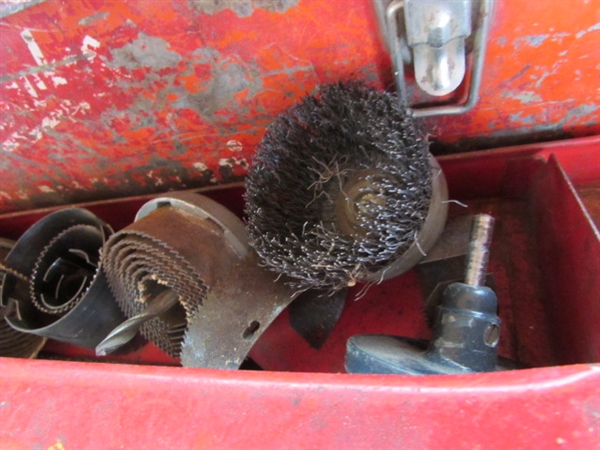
434	36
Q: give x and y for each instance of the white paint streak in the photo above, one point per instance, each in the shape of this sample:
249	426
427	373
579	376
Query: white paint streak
40	60
50	122
89	47
200	166
40	83
584	32
33	47
29	88
46	189
58	81
65	111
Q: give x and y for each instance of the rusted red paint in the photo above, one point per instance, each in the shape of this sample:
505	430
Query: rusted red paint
103	99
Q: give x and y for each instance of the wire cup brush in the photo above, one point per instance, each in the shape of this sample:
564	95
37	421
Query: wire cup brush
343	189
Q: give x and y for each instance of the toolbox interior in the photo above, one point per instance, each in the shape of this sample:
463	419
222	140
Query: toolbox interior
545	258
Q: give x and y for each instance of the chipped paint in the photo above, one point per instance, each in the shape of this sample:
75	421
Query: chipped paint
538	40
89	47
228	78
588	30
234	146
230	162
32	135
580	112
59	81
47	68
169	88
29	88
93	18
525	97
242	8
8	7
526	120
33	47
146	51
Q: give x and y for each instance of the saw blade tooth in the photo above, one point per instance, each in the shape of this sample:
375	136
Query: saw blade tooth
134	260
37	278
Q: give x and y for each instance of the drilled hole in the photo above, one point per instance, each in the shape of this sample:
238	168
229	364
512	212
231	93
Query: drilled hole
251	330
491	335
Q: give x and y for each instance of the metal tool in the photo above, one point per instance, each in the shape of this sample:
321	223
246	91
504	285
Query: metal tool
343	190
435	36
14	343
185	276
54	286
445	264
128	329
465	335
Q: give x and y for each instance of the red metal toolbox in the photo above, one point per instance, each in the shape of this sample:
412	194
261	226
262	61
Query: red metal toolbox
109	103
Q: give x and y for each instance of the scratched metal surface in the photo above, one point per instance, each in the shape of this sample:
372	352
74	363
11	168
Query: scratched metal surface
105	99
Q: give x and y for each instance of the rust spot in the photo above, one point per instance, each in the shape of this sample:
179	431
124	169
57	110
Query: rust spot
241	8
145	51
93	18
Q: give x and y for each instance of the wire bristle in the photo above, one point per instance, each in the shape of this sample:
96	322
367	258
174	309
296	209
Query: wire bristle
301	169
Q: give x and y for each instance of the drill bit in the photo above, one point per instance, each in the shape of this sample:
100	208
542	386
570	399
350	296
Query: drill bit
128	329
479	249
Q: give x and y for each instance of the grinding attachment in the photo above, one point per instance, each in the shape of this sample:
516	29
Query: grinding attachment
343	190
184	275
13	343
54	283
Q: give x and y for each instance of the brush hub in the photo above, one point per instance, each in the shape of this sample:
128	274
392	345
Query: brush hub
357	194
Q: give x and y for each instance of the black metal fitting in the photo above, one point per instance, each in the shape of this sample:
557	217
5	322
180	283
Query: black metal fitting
466	331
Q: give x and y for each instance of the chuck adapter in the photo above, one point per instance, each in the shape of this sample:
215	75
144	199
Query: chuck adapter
465	334
343	189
